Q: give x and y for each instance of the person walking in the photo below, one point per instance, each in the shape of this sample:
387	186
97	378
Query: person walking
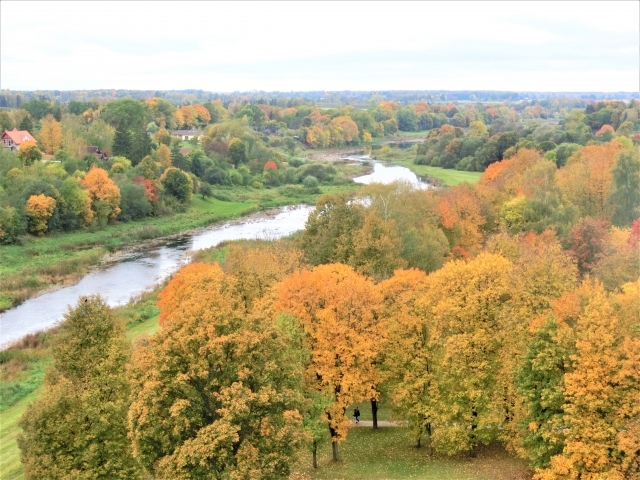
356	414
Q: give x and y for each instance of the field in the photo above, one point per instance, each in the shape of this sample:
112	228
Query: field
446	176
387	453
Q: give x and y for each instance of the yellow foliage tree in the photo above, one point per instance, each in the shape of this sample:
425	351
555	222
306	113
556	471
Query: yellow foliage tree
39	210
50	134
163	155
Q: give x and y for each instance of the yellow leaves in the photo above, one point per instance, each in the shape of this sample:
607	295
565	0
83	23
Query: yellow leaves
39	210
50	134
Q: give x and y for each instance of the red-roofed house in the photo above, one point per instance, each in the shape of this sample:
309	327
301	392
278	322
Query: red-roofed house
14	138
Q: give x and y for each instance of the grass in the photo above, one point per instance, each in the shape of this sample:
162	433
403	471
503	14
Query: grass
10	466
387	453
448	177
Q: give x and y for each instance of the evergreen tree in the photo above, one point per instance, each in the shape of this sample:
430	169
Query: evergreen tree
140	146
26	124
122	143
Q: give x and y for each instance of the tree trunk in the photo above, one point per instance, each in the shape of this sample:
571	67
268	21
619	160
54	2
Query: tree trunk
418	444
428	430
374	413
315	454
334	444
474	425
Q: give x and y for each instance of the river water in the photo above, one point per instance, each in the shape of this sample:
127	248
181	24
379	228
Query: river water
132	273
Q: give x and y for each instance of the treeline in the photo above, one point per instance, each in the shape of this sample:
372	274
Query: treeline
505	311
14	99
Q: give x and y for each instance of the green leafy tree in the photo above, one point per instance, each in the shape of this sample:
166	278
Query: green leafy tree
26	124
237	153
122	143
625	197
78	428
178	184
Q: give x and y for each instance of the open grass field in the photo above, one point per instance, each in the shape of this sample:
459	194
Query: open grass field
387	453
448	177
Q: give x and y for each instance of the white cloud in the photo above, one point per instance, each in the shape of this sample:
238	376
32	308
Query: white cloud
300	46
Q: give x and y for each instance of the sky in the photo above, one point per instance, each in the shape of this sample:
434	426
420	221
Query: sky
286	46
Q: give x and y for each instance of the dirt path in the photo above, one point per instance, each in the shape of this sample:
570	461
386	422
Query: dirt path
381	423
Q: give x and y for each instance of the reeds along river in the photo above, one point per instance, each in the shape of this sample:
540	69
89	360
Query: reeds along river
140	270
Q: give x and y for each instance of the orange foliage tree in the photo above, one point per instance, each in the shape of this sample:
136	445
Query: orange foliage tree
50	134
337	309
586	180
104	194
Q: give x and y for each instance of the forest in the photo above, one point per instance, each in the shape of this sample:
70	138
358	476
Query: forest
501	313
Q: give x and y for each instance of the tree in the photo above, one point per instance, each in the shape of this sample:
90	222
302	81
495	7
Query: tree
77	429
104	194
465	301
215	392
540	381
337	309
26	124
50	134
178	184
163	155
101	134
625	197
39	210
601	396
140	146
409	363
237	152
377	248
29	153
122	143
328	236
478	129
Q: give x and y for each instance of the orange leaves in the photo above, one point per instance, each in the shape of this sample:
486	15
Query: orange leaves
197	292
270	165
104	194
461	217
587	179
337	309
39	210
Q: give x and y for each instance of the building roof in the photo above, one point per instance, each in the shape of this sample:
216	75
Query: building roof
185	132
185	150
19	136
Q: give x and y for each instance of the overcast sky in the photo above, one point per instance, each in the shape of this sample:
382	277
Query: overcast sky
539	46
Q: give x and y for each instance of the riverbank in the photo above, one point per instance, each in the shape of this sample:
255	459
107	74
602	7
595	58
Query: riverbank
39	264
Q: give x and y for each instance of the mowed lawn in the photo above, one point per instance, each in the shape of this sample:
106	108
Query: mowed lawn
387	453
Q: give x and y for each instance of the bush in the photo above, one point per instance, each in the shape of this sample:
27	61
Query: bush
296	162
205	190
310	182
178	184
256	185
11	225
134	204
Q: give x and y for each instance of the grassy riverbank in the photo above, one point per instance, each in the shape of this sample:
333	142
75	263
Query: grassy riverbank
448	177
62	259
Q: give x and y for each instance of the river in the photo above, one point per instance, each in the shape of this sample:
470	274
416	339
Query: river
132	273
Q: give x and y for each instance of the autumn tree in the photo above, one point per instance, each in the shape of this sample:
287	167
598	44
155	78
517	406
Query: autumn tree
461	218
409	365
39	210
337	309
215	392
29	153
465	302
601	397
586	180
104	194
78	428
163	155
50	134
